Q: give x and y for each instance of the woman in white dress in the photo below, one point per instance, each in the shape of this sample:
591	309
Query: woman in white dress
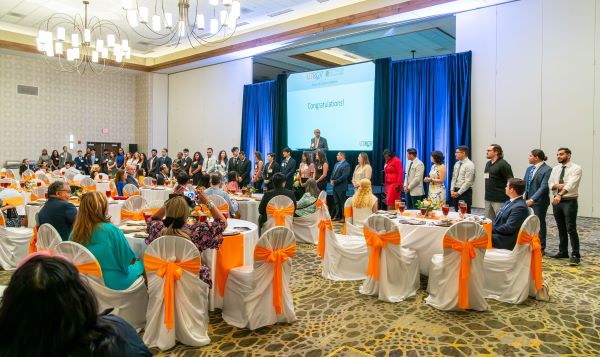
362	171
437	175
364	203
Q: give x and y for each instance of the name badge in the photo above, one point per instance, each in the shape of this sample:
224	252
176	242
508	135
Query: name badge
270	171
486	175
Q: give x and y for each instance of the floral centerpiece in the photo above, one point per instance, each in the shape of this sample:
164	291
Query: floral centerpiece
78	192
29	186
248	190
427	206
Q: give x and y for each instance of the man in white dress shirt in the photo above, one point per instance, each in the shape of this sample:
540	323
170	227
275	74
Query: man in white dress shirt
564	184
413	183
209	162
463	177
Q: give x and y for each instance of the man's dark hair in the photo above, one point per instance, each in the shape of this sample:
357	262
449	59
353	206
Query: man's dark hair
166	150
463	148
286	149
278	180
215	178
235	148
272	154
498	149
389	153
204	181
183	178
517	184
55	187
186	150
412	151
154	151
567	150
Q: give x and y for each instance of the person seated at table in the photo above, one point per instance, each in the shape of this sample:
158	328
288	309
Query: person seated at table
95	172
130	169
215	189
511	216
181	187
162	177
140	174
24	166
307	204
232	182
92	229
120	181
364	203
204	235
58	211
204	181
48	310
278	181
11	216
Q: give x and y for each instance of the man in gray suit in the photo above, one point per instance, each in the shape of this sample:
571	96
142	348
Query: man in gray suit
537	192
318	143
413	183
65	157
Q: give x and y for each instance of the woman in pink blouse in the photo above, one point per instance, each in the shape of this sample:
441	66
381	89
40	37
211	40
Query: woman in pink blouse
307	169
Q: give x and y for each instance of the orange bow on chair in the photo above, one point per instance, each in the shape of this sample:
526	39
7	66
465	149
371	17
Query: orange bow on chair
376	242
536	256
279	214
90	268
487	227
347	214
277	257
229	255
132	215
324	224
27	177
170	272
33	241
467	251
89	188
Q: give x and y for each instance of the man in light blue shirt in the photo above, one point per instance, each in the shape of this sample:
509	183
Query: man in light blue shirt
215	189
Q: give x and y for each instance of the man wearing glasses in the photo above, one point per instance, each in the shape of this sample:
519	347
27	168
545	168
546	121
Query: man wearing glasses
58	211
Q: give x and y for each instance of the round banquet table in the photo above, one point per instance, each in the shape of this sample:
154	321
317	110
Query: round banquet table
156	194
114	211
103	186
426	239
248	207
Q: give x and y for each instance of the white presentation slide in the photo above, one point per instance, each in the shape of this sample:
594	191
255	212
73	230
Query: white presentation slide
338	101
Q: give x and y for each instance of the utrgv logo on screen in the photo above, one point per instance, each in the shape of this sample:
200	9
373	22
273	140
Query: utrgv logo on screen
328	73
314	75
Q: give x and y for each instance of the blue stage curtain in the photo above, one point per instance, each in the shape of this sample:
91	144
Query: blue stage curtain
381	117
431	107
258	118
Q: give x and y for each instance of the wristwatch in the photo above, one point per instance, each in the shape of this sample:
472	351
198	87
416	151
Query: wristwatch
210	204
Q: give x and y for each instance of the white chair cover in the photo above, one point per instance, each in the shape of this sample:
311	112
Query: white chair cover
40	191
10	181
135	204
354	223
130	304
47	238
191	299
79	177
87	182
218	201
28	173
248	300
56	172
130	189
148	181
14	246
445	269
10	193
156	204
398	267
103	176
279	202
70	176
508	272
306	229
42	177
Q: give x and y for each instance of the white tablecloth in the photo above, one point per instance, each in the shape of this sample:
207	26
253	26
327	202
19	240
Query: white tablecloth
114	210
103	186
248	208
151	194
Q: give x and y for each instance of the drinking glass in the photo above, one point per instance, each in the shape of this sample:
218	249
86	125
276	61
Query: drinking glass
462	206
423	211
402	207
108	193
397	205
445	210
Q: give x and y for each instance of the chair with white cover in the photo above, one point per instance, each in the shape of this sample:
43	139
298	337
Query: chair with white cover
393	271
39	192
130	304
354	218
88	183
456	276
306	228
11	182
132	209
178	305
147	181
56	172
14	245
28	175
42	177
260	295
509	275
47	238
280	212
13	197
130	190
219	202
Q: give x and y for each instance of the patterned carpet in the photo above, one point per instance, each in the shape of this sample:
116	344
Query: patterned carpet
334	319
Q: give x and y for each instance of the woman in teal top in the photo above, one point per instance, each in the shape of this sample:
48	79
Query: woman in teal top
120	265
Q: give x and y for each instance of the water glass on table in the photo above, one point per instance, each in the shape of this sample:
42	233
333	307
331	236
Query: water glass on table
445	210
462	207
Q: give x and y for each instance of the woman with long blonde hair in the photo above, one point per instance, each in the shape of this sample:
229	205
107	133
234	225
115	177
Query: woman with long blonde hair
95	171
364	203
92	229
363	169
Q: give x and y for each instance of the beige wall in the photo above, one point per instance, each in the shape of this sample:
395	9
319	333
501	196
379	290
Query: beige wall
69	104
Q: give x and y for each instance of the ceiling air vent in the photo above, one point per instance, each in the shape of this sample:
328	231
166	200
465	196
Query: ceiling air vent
27	90
278	13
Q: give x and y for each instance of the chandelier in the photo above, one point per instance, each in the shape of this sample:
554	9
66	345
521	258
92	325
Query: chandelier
82	44
198	23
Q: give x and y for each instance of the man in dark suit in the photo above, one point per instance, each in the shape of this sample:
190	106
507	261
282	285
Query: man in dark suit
152	164
270	169
165	159
244	176
186	160
537	192
93	159
288	168
131	176
65	157
234	162
163	175
511	216
278	182
339	181
105	158
58	211
80	163
318	143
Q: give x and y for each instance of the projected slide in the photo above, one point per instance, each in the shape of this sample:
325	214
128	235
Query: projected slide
338	101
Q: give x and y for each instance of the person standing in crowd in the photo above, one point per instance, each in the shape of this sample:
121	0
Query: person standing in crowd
496	174
271	168
413	184
210	161
363	170
54	160
510	217
44	157
65	157
339	182
93	159
307	169
257	177
120	159
143	164
178	160
195	168
233	164
463	177
536	189
164	159
244	176
393	177
318	142
437	176
288	168
80	163
104	163
186	160
112	163
221	163
564	182
153	164
58	211
321	169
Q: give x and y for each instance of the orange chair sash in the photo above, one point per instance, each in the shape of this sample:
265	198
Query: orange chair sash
90	188
27	177
229	255
536	256
14	201
35	198
2	222
467	251
277	257
319	203
488	229
170	272
280	214
132	215
90	268
376	242
33	241
324	224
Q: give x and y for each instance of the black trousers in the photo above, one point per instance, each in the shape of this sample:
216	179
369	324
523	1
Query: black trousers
467	196
411	201
339	198
565	214
540	212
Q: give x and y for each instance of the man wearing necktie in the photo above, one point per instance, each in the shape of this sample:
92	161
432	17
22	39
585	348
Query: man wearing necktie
463	177
339	181
413	184
288	168
510	217
564	183
536	189
234	163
